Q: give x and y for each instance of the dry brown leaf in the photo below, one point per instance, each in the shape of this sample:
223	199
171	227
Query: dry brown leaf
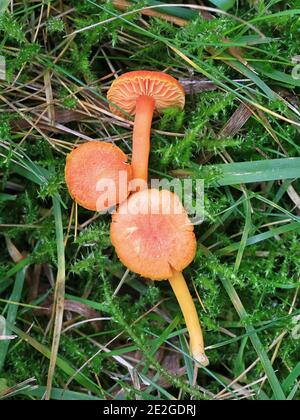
13	251
236	122
49	96
72	306
34	283
292	193
197	85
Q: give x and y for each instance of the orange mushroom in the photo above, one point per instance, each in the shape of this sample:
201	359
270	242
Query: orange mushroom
97	175
140	93
154	238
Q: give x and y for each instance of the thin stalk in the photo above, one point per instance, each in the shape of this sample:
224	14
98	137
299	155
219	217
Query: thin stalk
188	308
141	137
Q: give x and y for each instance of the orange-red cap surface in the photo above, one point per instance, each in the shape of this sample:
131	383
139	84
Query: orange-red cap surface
166	91
153	235
89	170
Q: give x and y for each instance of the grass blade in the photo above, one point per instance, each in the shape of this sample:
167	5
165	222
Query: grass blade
60	394
243	243
16	269
12	314
59	295
277	75
259	348
4	5
292	378
180	12
80	378
224	4
259	171
187	360
293	393
250	172
7	197
261	237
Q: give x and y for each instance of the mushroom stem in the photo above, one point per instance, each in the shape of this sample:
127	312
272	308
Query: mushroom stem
145	106
188	308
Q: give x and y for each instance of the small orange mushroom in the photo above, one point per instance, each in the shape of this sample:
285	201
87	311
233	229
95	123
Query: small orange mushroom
140	93
154	238
97	175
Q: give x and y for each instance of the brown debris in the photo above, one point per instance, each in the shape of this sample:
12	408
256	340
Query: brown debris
34	283
74	307
236	122
13	251
197	85
62	116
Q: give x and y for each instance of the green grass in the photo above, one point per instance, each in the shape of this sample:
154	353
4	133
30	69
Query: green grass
59	68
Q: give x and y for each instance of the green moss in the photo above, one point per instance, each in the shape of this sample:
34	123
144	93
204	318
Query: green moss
55	25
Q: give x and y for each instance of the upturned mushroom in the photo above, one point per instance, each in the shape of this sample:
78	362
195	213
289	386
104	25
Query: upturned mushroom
154	238
97	175
141	93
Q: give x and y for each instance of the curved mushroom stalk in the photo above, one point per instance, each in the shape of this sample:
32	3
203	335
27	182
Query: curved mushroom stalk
188	309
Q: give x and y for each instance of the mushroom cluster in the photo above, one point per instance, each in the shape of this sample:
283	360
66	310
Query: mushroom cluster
150	229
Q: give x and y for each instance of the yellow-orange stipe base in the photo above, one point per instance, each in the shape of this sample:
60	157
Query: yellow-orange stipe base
91	169
153	235
188	309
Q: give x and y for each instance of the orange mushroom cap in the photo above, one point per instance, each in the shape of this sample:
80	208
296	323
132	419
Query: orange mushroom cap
164	89
90	168
153	235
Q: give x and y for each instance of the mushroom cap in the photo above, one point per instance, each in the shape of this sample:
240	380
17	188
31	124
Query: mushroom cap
153	235
91	169
164	89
